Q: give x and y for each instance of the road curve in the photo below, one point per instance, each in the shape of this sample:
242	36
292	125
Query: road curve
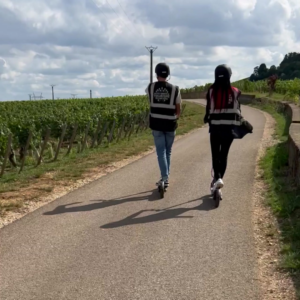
115	239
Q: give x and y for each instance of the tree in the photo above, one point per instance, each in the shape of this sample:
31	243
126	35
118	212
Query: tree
262	70
289	68
252	77
273	70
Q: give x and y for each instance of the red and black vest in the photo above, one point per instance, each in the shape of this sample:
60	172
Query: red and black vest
221	116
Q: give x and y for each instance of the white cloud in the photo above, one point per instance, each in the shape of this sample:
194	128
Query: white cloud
99	45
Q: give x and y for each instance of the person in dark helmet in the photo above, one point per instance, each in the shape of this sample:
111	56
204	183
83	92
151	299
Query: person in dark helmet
223	111
165	107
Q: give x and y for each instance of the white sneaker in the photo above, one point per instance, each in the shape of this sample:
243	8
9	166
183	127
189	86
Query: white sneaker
218	184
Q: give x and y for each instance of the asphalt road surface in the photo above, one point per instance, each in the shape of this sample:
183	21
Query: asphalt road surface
116	239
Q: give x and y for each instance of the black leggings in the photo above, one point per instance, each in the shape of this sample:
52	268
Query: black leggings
219	149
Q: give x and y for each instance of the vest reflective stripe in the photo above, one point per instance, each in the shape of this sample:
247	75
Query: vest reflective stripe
173	100
163	105
158	116
226	111
225	122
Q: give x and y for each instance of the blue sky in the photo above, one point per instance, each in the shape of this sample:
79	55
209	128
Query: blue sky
100	45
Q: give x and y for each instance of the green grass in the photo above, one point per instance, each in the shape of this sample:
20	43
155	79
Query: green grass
72	167
282	195
275	96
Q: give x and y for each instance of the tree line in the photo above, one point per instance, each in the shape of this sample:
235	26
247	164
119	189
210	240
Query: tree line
288	69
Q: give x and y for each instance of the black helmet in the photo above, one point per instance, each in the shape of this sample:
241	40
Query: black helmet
162	70
223	71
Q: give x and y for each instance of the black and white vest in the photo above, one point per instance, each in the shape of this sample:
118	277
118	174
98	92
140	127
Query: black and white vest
162	98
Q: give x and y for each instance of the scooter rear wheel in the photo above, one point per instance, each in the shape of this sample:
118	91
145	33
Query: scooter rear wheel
161	189
217	197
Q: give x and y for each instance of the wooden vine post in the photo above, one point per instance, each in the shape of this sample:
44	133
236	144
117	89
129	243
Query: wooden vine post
85	137
47	136
95	138
8	147
25	151
72	139
61	139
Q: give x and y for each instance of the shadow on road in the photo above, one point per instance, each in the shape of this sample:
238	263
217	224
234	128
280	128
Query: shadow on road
99	204
163	214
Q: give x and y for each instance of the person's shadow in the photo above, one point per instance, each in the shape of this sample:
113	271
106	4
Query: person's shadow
99	204
163	214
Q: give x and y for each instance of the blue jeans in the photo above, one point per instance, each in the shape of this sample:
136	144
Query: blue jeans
163	142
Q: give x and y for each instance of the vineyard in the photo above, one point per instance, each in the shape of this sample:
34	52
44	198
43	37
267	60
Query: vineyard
50	127
290	89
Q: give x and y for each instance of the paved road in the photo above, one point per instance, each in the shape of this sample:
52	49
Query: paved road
115	239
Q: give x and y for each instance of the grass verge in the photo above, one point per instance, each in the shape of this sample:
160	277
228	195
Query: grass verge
282	195
275	96
16	189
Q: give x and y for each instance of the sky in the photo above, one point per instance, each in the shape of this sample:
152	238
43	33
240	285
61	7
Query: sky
99	45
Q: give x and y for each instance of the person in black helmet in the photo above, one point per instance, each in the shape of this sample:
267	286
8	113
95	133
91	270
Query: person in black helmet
223	110
165	106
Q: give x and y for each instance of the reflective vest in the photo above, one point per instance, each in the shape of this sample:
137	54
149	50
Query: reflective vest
227	116
162	98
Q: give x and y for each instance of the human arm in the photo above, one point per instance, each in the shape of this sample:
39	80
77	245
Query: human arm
147	92
206	117
178	103
239	104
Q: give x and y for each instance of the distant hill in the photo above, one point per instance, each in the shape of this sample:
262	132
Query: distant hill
288	69
241	80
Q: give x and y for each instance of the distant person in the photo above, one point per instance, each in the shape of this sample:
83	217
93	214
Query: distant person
165	107
223	113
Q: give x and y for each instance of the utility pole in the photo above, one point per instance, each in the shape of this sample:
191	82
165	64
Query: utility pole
29	96
52	85
91	94
73	96
151	50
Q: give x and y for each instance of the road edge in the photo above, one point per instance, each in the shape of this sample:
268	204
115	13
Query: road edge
274	284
